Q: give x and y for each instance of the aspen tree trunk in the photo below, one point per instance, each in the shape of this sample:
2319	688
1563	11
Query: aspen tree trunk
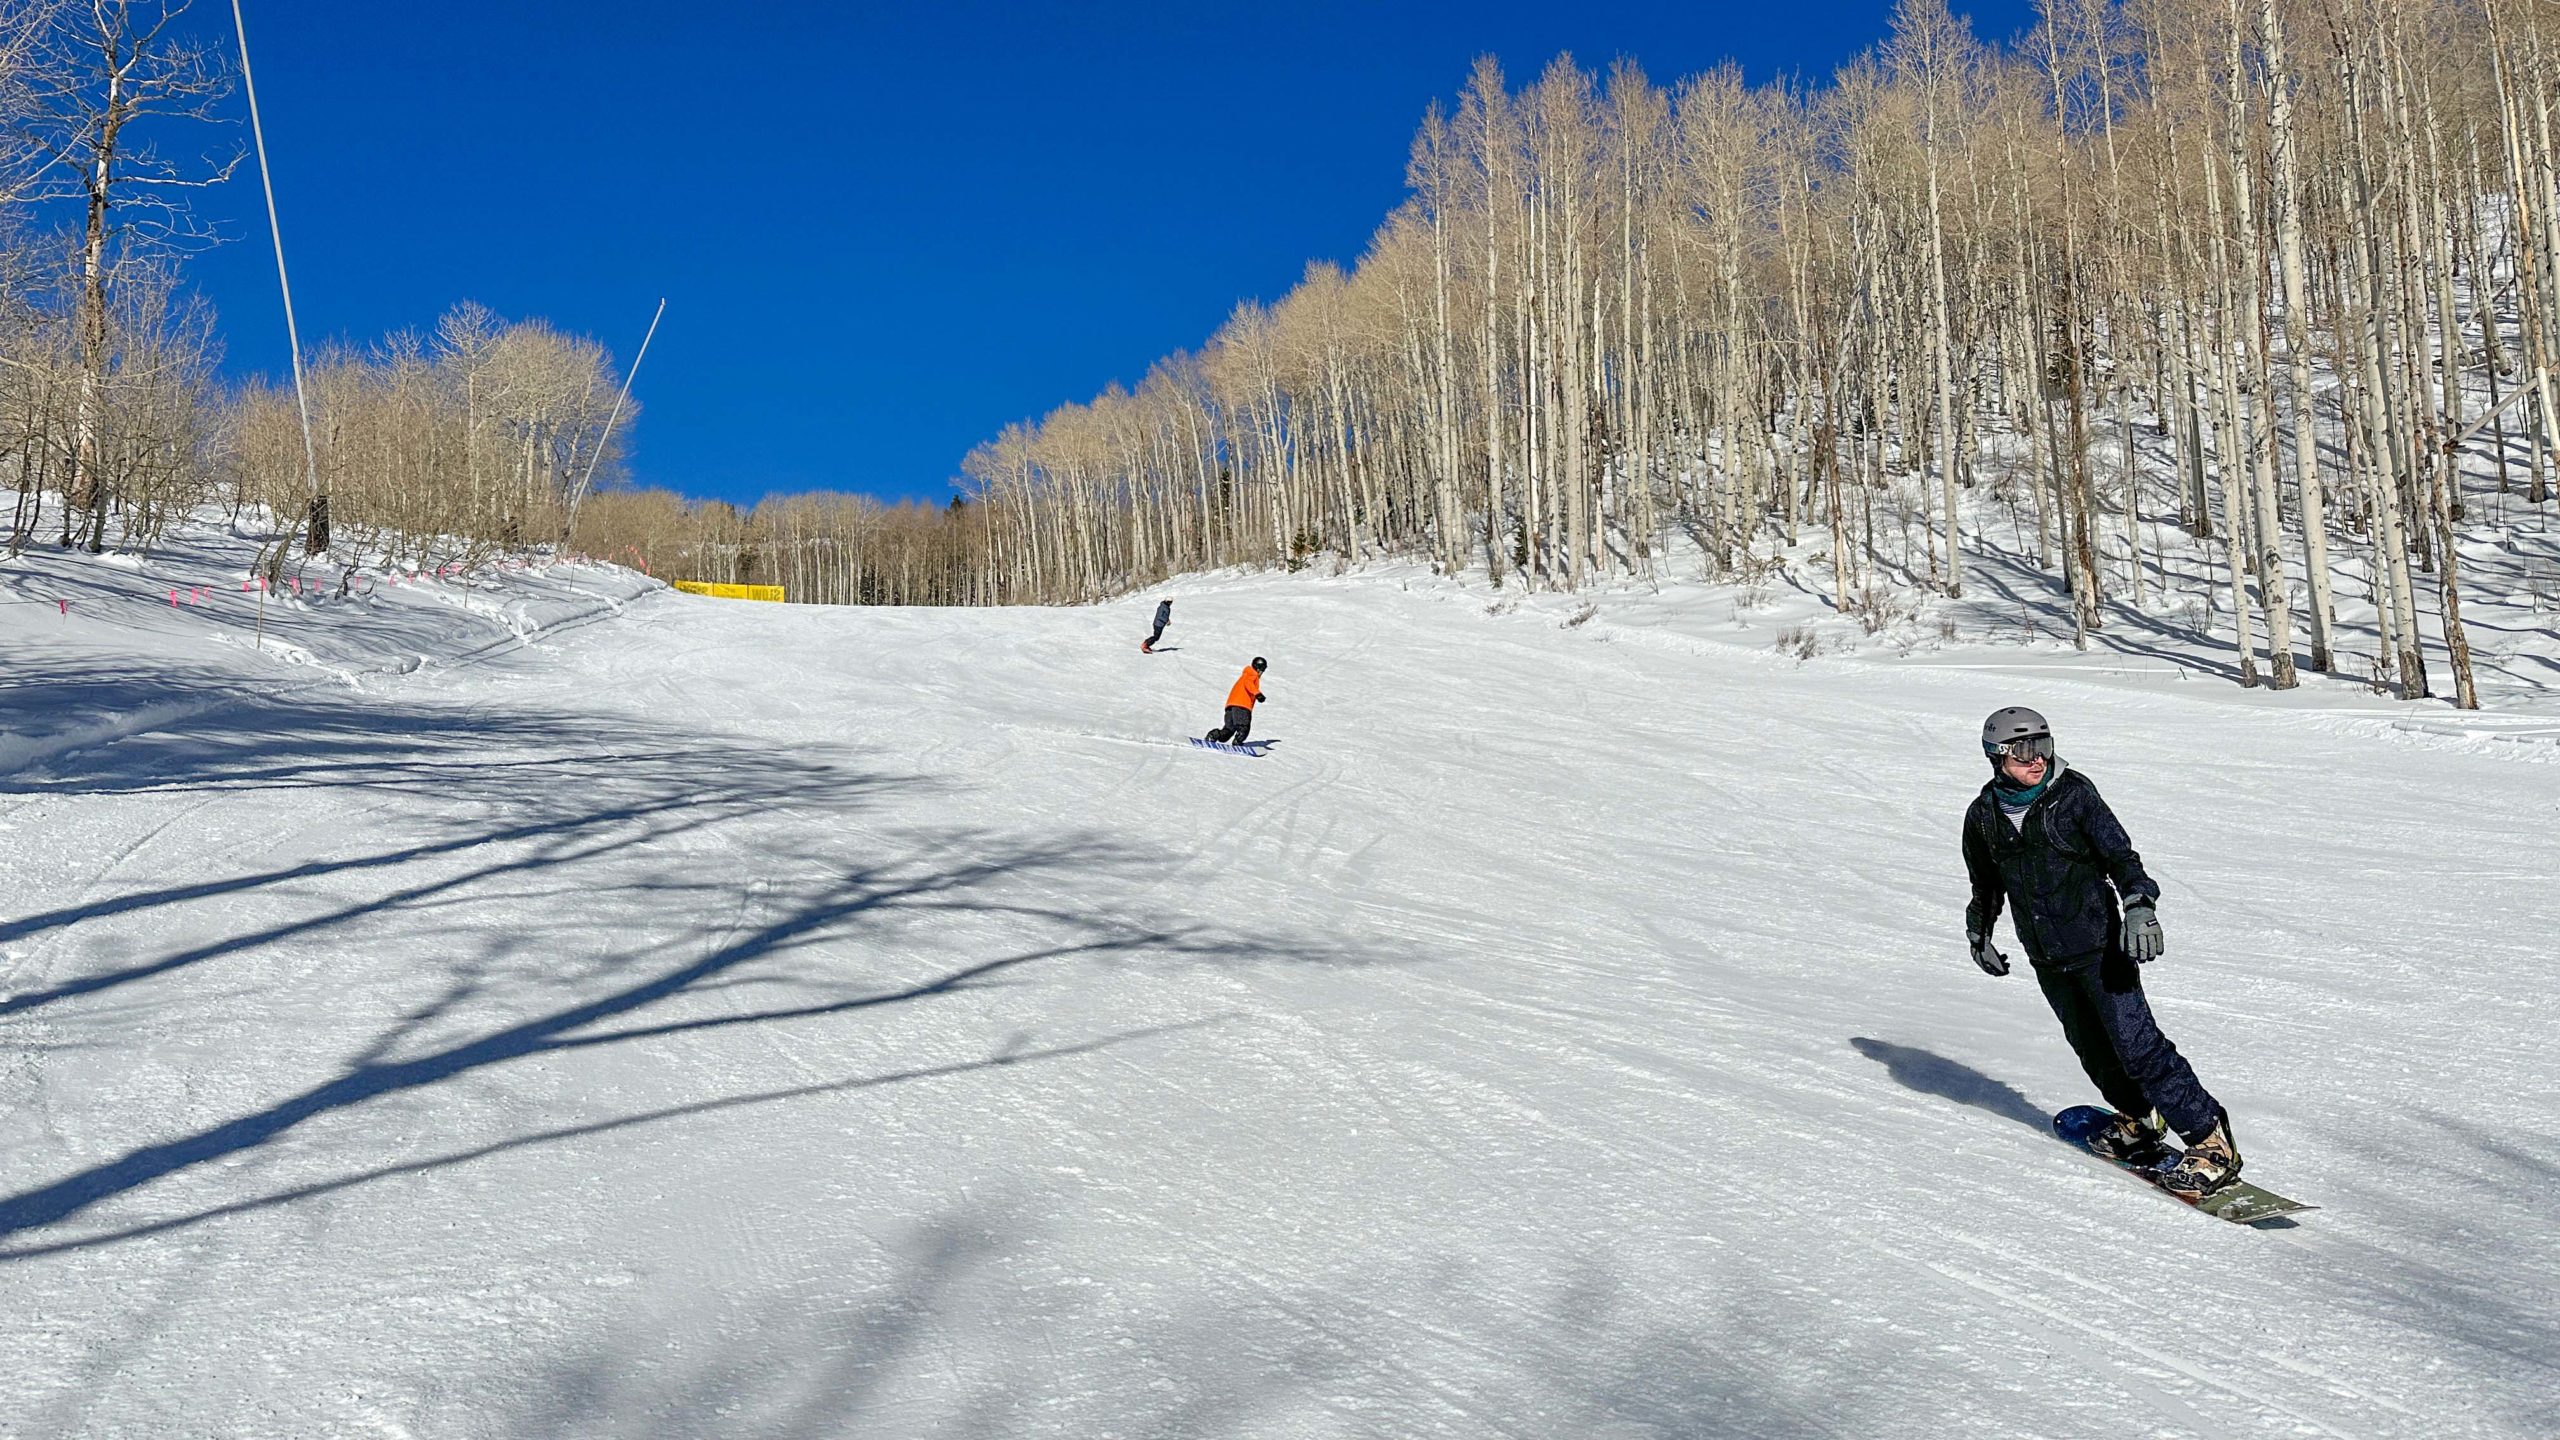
1731	541
2362	468
2297	335
2457	643
2525	234
2193	507
2390	454
84	486
2229	443
1444	386
2079	509
1205	542
1942	356
1493	507
1826	458
1642	383
2030	328
2266	522
2131	469
2077	520
2390	532
2545	185
1534	462
2441	257
1800	257
1573	483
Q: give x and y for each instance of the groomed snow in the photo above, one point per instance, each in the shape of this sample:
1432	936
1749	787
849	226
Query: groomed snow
746	1020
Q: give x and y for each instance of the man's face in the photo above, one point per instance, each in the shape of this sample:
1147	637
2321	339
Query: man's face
2024	773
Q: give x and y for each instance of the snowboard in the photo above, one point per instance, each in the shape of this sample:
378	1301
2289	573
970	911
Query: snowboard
1254	748
2239	1202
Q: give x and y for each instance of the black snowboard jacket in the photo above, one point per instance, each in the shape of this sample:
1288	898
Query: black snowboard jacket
2055	869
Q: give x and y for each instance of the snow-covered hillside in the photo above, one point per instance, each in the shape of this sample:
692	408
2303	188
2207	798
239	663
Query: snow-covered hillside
99	647
733	1019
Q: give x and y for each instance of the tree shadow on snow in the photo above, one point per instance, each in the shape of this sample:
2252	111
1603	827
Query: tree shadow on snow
219	738
592	787
2456	1219
566	892
2019	585
1934	1074
629	1010
936	1330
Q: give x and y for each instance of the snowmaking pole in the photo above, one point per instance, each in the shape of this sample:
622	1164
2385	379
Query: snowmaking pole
580	494
317	539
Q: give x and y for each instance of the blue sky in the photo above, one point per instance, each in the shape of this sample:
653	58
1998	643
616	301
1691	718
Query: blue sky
883	231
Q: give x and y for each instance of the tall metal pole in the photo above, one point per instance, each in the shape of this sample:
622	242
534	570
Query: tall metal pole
318	538
580	494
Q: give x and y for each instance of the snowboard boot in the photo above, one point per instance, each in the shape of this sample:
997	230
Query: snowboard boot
2130	1141
2209	1164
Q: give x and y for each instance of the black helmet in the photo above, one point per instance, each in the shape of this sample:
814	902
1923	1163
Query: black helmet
2016	730
1261	664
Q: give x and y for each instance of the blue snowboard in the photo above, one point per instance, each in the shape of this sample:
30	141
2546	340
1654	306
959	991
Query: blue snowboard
1254	748
2239	1202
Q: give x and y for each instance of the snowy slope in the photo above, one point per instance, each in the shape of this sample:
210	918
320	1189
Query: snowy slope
99	647
745	1020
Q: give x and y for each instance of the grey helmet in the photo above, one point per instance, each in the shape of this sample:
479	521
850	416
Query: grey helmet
2012	725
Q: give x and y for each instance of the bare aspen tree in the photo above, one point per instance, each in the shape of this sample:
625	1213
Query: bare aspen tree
1429	173
2287	186
122	64
1931	51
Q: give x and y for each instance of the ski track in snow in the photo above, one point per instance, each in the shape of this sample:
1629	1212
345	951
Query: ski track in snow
746	1020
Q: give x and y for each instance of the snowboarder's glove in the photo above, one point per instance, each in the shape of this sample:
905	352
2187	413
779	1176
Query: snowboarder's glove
2142	932
1977	935
1986	954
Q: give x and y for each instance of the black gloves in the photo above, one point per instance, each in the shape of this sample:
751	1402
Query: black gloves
2142	932
1985	954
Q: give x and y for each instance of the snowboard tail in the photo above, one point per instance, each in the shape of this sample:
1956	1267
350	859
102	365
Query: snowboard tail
2239	1202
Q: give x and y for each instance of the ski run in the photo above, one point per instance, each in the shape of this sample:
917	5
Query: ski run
535	1003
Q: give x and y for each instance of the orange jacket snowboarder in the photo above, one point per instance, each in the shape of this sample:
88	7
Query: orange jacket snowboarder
1246	693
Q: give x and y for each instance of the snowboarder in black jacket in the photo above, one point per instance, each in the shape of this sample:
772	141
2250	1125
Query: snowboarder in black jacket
1164	617
2039	838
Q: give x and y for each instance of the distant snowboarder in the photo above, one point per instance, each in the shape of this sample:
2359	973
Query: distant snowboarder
1164	617
2039	837
1241	698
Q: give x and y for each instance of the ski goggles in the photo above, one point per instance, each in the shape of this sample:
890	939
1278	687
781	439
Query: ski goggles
2033	747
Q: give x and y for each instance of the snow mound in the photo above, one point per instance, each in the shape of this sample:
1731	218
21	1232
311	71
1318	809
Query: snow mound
101	647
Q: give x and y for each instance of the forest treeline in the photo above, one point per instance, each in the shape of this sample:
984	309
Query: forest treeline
482	435
2305	249
113	416
2303	254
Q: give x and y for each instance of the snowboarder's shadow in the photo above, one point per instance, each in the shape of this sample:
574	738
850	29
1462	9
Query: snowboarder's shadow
1933	1074
1164	649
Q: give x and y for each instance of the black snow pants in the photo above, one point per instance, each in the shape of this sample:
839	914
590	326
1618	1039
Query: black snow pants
2109	1025
1155	635
1239	725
